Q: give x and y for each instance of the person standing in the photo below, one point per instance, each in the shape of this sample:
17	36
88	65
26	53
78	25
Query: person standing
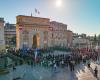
88	63
55	67
62	63
71	65
96	72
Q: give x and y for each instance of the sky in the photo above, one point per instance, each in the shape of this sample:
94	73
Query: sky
81	16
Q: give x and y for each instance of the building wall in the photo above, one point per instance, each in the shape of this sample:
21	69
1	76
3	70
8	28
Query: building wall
81	43
2	40
10	32
50	36
59	31
69	38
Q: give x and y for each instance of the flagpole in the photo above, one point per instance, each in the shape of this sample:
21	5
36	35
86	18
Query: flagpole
31	14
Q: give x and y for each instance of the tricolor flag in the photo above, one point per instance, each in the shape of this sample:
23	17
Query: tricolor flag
37	11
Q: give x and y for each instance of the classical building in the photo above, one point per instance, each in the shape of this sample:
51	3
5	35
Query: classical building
32	32
2	40
69	38
59	34
10	34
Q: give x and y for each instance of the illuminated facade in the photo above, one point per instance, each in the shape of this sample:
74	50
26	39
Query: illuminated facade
59	34
31	32
69	38
2	40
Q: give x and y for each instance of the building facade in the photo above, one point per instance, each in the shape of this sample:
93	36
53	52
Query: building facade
10	34
69	38
59	34
31	32
2	40
81	43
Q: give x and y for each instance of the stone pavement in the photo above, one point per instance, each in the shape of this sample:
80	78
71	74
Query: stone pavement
86	73
26	72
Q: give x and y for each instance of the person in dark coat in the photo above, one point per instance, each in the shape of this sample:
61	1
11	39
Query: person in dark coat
96	72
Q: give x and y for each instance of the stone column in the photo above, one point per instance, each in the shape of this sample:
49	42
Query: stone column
31	38
41	40
47	39
21	39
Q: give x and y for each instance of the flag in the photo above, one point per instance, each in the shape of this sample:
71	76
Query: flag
36	54
37	11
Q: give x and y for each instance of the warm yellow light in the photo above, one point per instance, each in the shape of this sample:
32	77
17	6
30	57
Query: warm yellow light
58	3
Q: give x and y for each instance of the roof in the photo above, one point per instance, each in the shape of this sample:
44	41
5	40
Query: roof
31	17
55	22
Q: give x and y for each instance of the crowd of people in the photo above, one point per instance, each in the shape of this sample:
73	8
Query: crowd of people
71	60
76	57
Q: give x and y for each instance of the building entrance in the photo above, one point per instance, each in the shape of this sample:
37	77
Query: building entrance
36	40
